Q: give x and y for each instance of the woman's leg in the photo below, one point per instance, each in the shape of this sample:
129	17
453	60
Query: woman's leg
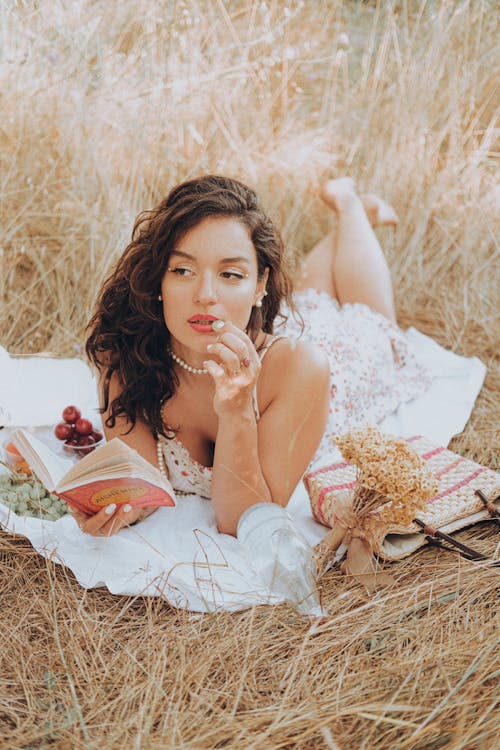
349	263
317	269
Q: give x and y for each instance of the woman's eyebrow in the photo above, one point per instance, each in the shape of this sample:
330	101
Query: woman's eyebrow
235	259
182	254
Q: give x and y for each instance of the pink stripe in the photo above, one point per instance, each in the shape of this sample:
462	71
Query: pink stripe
449	468
322	494
457	486
344	486
319	512
434	452
331	467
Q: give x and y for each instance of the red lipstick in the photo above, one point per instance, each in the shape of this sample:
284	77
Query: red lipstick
202	323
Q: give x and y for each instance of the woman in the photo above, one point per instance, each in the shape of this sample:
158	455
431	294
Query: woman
192	374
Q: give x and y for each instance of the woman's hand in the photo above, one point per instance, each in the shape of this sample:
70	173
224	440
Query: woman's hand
234	369
109	520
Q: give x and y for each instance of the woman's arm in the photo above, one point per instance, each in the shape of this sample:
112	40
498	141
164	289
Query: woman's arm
293	423
140	437
264	461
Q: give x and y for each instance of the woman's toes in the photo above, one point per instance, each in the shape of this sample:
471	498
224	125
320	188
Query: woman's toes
380	213
338	193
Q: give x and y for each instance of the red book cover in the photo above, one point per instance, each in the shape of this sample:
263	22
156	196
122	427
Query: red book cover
138	493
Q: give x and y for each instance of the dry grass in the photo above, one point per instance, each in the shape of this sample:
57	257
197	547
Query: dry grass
104	107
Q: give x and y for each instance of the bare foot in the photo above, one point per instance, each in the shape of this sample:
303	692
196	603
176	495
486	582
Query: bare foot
339	194
380	213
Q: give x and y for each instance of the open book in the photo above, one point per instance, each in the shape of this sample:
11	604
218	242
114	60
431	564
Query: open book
113	473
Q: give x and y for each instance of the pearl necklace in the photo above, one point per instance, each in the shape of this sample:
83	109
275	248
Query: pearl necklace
161	458
185	366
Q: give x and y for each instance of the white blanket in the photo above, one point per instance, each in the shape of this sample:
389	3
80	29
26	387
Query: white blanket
177	553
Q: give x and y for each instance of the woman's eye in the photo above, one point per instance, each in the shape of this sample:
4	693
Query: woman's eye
232	275
180	271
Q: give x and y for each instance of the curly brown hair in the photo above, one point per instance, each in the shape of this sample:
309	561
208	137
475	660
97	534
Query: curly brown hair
128	335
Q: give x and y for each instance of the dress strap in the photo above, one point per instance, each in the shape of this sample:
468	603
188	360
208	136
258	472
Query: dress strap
262	354
270	343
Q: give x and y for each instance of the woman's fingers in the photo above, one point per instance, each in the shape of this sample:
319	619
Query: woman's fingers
95	525
229	329
235	343
227	387
227	357
215	370
80	517
234	350
108	520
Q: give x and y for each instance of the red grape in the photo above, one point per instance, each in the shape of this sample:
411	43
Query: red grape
63	431
83	427
71	441
97	435
86	444
86	440
71	414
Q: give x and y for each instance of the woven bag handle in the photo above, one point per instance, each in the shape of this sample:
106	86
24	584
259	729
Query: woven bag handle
490	505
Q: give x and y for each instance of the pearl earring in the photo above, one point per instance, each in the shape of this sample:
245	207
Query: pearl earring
259	301
159	298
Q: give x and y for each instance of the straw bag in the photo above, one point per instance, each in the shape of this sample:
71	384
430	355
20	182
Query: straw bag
468	493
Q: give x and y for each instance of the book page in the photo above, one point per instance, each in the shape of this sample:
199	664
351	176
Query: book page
113	460
88	467
48	467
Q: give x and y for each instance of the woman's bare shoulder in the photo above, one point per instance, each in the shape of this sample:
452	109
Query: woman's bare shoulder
293	366
287	351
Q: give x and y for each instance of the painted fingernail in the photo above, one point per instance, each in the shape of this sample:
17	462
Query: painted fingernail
110	509
218	324
209	347
245	361
127	508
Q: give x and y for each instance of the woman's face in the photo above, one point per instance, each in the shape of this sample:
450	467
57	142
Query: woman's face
211	275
